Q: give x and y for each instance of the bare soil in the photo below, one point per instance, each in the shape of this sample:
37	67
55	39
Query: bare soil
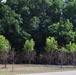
26	68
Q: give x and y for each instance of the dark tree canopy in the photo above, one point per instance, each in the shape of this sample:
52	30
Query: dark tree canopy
21	20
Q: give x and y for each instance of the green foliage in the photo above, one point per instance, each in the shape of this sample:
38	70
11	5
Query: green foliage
9	20
63	30
29	45
63	49
37	16
70	12
51	44
71	47
10	26
38	19
4	44
34	23
59	3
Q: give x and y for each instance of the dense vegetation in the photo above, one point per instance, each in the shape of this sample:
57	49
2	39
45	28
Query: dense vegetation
40	30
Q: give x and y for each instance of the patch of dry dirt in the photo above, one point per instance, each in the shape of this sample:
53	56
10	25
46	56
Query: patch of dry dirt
34	68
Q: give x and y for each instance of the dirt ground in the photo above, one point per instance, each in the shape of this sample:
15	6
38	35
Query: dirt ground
26	68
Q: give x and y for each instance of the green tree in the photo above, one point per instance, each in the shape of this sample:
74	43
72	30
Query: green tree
33	25
71	48
51	44
70	12
51	47
63	30
61	56
29	45
29	52
4	48
55	10
37	16
34	15
10	26
4	44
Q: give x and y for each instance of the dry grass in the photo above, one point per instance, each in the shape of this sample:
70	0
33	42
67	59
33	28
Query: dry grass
32	69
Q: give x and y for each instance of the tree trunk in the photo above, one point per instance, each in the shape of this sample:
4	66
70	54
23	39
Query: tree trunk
13	54
62	56
5	59
62	63
73	60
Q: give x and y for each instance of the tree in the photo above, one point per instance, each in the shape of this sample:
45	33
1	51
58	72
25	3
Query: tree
29	45
71	48
70	12
29	52
13	57
37	16
51	44
55	10
13	4
51	47
4	48
61	55
33	26
10	26
63	30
